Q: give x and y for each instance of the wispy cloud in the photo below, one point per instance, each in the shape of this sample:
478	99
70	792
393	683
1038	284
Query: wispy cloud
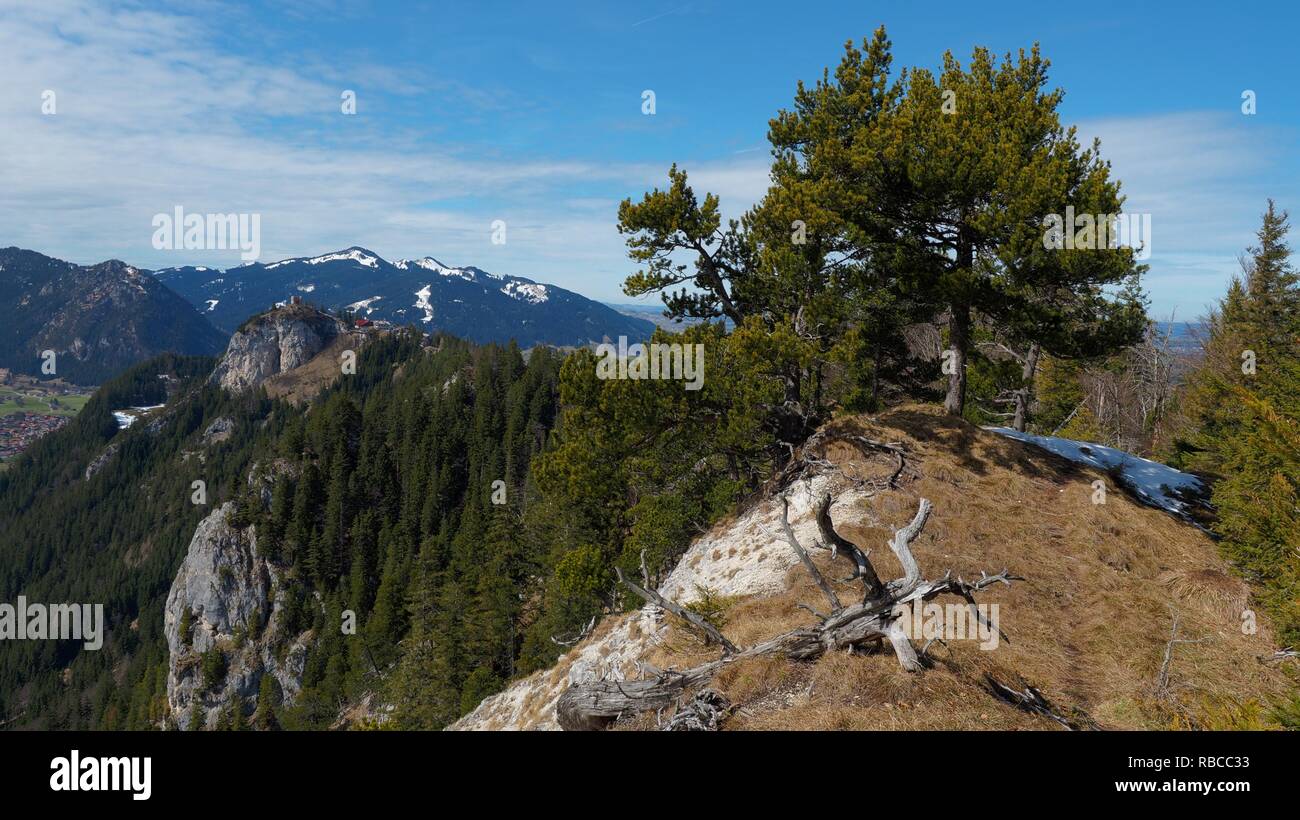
661	15
1205	179
152	113
156	109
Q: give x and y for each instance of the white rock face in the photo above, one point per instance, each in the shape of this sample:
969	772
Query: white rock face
529	704
227	587
218	431
273	343
748	556
103	458
735	558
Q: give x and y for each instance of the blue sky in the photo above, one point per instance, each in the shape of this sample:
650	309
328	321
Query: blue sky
531	113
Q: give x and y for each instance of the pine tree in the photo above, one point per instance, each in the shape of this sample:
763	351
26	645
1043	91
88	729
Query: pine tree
264	716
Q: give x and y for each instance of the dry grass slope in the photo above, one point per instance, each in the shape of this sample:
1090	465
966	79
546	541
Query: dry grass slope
1088	627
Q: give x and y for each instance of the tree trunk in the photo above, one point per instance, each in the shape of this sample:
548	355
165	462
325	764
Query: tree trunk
958	342
1026	392
875	381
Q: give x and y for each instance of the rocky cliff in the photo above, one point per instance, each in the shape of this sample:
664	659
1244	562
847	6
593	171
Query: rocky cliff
274	343
231	600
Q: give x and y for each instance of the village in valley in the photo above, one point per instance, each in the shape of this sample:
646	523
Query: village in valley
31	408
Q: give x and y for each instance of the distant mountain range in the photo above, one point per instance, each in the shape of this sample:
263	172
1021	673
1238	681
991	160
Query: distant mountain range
98	319
465	301
1184	337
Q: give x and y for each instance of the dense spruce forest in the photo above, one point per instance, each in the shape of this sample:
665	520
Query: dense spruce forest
114	537
391	502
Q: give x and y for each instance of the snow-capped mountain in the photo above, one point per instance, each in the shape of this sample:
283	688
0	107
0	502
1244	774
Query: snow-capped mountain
465	301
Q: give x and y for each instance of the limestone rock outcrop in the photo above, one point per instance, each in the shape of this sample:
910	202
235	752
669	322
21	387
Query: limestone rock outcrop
273	343
227	599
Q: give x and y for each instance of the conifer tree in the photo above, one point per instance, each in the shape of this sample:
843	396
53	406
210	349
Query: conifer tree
1243	406
264	716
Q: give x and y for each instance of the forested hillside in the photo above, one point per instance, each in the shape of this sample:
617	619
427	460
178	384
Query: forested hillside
96	319
111	534
1238	420
391	501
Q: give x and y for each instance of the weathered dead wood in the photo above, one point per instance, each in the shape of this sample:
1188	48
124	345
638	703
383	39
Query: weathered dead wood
582	633
704	713
1286	653
595	705
837	543
1162	680
1029	699
895	449
901	546
804	460
694	618
808	564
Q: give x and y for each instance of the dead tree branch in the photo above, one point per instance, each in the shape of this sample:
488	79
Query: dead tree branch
1029	699
704	713
595	705
694	618
1162	682
808	564
1283	654
582	633
861	565
806	460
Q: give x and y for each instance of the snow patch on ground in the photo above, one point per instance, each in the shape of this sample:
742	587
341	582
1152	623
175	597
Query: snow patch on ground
1158	484
365	304
422	302
125	418
526	292
431	264
428	263
354	254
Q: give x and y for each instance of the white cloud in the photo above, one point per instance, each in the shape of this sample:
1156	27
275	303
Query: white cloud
1205	179
152	113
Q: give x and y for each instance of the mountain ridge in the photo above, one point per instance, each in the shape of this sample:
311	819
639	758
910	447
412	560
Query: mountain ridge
98	319
1087	627
465	301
